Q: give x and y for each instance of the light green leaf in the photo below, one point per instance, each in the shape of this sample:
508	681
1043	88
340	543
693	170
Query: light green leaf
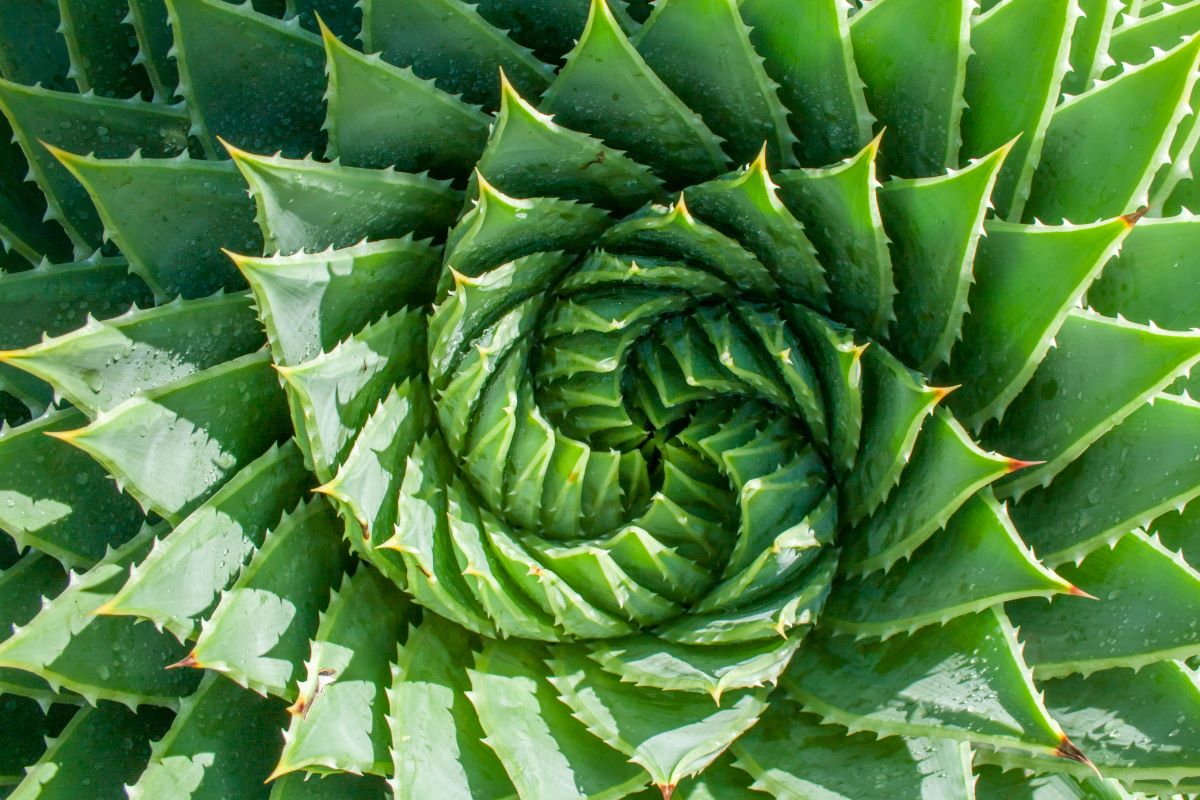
979	560
673	735
545	749
1101	371
790	754
258	634
1028	278
912	56
182	577
963	681
1147	597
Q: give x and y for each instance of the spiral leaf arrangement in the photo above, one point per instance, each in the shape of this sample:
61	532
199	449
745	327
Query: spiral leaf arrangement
634	401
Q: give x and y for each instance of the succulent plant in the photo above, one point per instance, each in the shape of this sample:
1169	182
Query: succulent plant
542	399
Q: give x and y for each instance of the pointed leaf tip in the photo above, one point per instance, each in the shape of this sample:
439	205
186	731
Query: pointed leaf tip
187	661
1015	464
1068	750
667	790
1075	591
1131	218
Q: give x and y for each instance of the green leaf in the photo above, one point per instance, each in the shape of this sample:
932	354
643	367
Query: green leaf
1009	97
56	498
672	735
85	124
818	83
1089	44
790	754
914	83
31	50
501	228
529	155
183	576
310	302
1127	124
53	300
24	586
746	207
449	42
934	225
25	233
1142	468
1028	278
946	468
24	734
963	681
154	40
992	784
285	95
977	562
101	50
382	116
702	50
607	88
550	28
258	634
309	206
221	744
1101	371
896	402
438	742
543	747
332	395
839	209
102	748
101	364
176	444
1137	581
838	364
1141	725
339	723
102	658
171	218
1148	280
336	786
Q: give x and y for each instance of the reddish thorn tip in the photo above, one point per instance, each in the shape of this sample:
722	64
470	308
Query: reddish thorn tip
667	790
1132	218
1015	464
187	661
1067	749
1075	591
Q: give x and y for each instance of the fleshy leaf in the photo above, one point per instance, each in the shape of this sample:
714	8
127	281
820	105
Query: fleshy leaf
963	681
171	218
258	634
309	206
175	445
237	97
545	749
702	50
199	758
101	50
58	499
1028	279
672	735
183	576
914	83
790	754
382	116
1101	371
1144	612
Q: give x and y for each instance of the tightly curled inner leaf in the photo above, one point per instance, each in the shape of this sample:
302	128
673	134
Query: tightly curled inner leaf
541	441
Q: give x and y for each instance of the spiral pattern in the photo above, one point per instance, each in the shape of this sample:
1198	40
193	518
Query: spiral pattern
652	424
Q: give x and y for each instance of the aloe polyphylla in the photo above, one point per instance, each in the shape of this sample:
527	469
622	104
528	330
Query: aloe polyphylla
547	399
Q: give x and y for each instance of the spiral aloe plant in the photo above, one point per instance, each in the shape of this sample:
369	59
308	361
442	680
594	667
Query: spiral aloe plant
546	400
